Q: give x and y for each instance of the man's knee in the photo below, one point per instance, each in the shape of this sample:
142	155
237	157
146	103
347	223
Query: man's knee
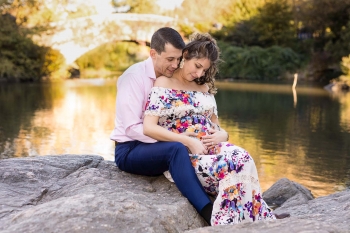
177	147
178	151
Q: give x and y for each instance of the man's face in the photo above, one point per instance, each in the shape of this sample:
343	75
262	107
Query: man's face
166	62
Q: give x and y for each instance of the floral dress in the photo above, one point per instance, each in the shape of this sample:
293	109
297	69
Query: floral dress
228	171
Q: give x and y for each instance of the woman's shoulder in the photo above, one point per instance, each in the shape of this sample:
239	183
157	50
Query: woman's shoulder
163	81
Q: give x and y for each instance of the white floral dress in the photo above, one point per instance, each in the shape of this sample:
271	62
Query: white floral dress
228	171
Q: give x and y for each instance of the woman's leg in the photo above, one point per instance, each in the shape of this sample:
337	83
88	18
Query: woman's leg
232	174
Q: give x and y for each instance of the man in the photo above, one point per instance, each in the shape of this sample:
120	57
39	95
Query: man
138	154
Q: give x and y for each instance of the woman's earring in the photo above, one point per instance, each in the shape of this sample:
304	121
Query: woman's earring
182	63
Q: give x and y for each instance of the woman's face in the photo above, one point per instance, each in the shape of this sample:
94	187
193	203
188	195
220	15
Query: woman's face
195	68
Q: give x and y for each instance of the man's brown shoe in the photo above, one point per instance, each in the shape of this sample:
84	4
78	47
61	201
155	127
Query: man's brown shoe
282	216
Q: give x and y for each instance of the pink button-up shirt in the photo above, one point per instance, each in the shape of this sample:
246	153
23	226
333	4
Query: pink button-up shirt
133	87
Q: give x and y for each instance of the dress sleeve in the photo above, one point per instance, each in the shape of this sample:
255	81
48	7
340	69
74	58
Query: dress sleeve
156	103
215	109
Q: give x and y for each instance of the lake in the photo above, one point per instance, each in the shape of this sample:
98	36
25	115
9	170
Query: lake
304	136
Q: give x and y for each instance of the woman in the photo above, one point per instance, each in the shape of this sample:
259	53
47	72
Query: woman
183	108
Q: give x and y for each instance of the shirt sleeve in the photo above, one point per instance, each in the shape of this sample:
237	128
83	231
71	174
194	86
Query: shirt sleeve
130	103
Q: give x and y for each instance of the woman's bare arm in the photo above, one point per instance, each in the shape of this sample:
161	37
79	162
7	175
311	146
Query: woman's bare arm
153	130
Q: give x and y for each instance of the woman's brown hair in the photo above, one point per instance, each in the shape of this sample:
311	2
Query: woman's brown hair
203	45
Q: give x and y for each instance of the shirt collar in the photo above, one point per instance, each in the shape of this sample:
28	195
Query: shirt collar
150	69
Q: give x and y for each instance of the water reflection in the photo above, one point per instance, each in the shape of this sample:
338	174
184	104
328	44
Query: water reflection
69	117
307	141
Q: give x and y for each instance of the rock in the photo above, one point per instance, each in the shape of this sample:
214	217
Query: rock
84	193
337	87
331	210
287	193
274	226
72	193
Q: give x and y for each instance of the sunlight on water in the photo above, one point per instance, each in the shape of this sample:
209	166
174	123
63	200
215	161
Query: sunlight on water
307	141
79	122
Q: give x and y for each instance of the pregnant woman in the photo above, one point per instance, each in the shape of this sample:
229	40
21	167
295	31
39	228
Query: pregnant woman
183	108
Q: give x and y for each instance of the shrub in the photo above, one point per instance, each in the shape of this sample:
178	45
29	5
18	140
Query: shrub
256	62
111	56
345	66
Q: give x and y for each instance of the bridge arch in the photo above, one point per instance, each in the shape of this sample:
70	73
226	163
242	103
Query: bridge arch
75	37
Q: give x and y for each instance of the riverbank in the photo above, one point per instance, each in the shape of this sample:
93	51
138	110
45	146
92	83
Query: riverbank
84	193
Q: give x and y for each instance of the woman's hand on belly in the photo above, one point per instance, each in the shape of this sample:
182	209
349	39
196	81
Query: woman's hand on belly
214	137
196	146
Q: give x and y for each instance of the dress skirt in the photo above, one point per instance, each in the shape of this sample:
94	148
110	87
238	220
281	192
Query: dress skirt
231	175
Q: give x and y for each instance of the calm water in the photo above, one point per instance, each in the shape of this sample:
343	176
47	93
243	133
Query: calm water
304	137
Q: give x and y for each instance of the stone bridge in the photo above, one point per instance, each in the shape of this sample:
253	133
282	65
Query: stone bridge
75	37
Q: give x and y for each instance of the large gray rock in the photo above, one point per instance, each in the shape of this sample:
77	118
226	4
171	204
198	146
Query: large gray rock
287	193
70	193
332	210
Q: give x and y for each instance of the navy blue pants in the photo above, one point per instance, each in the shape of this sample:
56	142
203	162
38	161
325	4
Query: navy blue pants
152	159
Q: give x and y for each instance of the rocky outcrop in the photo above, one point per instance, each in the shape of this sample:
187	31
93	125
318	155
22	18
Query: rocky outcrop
332	211
287	193
70	193
83	193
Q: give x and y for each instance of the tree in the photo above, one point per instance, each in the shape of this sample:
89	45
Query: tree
271	24
258	63
341	47
21	58
201	15
274	24
325	19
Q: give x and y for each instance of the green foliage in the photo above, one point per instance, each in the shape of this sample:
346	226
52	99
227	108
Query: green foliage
273	24
237	11
345	66
242	34
324	18
111	56
257	63
341	47
54	63
318	30
21	58
186	29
